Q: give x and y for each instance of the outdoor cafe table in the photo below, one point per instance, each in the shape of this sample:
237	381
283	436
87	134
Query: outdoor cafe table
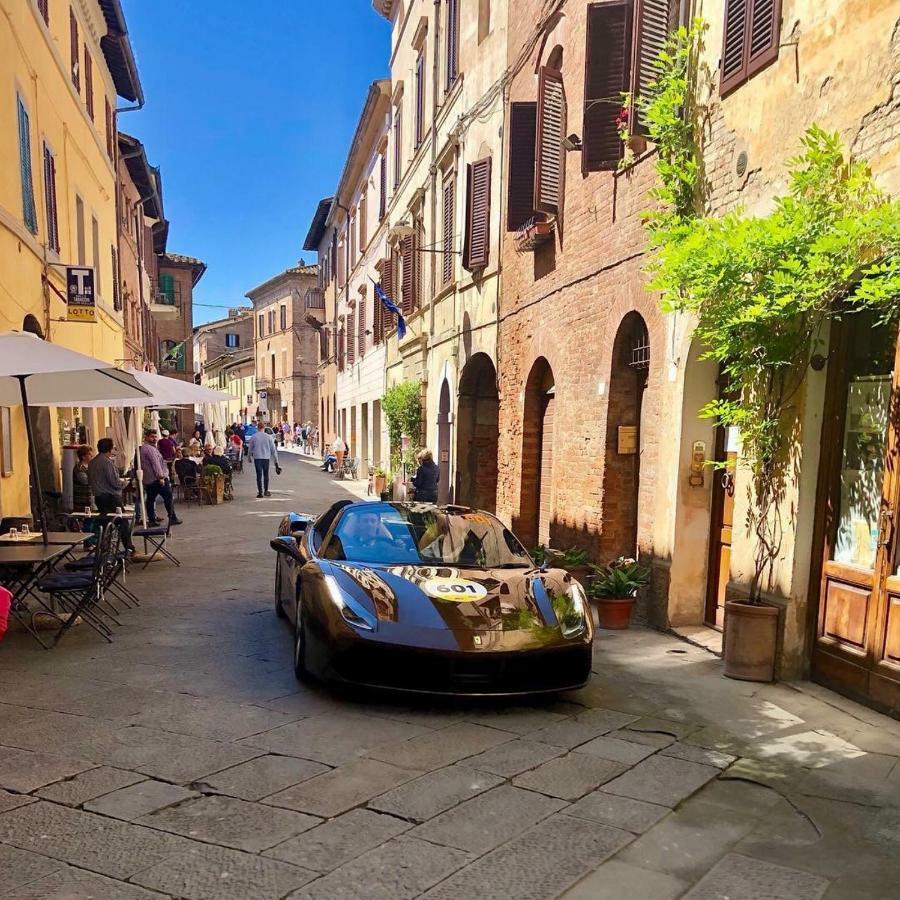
23	565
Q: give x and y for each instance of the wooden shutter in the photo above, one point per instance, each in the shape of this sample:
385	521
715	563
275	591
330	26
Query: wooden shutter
407	285
361	326
520	196
478	208
73	49
548	151
449	197
88	83
653	20
382	197
418	243
50	200
452	42
385	318
751	35
110	144
117	296
361	219
398	142
44	10
605	77
29	215
420	97
340	350
351	339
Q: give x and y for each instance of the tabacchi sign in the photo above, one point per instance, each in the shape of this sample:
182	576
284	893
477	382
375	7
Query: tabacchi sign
80	298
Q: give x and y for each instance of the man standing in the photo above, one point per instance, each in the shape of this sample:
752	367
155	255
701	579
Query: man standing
262	448
167	447
103	477
156	479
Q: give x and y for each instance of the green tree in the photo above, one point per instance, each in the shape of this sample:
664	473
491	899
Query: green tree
402	407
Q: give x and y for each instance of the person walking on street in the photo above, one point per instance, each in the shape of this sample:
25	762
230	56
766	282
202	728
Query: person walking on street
105	484
425	481
156	479
263	450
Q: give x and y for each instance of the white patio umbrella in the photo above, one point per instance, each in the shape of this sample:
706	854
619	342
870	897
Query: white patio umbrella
34	372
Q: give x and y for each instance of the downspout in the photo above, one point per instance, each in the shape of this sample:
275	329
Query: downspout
435	74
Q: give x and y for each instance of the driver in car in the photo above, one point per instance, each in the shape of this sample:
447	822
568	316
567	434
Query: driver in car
365	535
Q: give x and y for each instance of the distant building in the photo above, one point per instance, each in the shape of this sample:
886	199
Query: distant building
224	360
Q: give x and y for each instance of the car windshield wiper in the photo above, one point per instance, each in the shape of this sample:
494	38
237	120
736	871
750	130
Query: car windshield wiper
511	565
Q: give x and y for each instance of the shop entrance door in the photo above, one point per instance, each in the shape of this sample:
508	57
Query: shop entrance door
856	647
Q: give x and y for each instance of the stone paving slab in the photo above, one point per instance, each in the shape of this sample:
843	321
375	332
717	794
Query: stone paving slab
615	880
12	716
701	755
587	725
262	776
19	867
339	840
24	771
230	822
434	793
608	747
518	719
86	840
635	816
739	877
130	803
441	748
13	801
514	757
664	727
570	777
333	738
539	864
214	873
76	884
88	785
342	788
651	739
662	779
488	820
400	869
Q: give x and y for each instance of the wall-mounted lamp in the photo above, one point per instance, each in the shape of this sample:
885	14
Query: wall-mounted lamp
572	143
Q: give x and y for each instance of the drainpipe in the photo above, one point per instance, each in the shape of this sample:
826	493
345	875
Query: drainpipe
435	74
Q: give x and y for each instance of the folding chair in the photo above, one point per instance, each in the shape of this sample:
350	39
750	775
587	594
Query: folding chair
155	536
115	574
190	490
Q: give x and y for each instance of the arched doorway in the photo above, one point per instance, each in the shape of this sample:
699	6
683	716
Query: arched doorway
536	504
443	447
477	434
622	470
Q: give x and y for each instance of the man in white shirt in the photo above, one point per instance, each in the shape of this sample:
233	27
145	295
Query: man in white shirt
262	448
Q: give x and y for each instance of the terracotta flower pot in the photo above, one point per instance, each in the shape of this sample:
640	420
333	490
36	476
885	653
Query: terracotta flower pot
380	484
614	612
751	635
579	573
637	143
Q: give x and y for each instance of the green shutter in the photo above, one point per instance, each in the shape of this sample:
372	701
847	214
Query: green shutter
167	287
29	215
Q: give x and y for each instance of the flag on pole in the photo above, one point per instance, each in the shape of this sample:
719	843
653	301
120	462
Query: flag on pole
391	307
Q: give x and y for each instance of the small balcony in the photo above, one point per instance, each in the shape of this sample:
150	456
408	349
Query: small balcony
165	302
314	306
538	230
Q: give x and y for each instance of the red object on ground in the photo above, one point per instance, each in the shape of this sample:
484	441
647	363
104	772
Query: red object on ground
5	604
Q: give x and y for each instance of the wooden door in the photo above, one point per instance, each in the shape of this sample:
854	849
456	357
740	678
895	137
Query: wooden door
856	646
720	533
545	503
444	445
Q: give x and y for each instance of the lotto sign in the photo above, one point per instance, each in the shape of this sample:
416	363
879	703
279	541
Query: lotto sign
455	590
81	301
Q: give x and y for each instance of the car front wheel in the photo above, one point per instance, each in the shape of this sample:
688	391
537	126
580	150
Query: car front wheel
300	669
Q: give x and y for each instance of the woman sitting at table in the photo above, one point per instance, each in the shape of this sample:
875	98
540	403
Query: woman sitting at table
186	468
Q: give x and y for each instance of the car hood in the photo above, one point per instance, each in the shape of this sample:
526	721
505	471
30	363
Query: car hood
458	598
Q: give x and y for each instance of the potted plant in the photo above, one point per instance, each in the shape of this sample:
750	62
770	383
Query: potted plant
614	587
380	480
575	562
212	484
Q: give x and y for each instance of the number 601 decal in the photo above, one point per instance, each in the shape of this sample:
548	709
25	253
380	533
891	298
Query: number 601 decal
456	590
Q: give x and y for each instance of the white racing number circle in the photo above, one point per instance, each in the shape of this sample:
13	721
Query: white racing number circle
454	590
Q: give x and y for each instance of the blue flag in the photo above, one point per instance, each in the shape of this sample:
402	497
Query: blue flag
391	307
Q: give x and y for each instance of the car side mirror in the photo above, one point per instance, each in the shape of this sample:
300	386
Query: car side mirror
285	544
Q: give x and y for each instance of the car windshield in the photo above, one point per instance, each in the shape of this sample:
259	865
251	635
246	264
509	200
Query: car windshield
393	534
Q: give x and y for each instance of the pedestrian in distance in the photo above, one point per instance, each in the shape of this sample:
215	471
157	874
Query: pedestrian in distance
339	449
425	481
263	451
167	447
156	479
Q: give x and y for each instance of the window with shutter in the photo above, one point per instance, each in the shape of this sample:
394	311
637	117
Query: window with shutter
29	214
548	150
478	215
282	313
74	46
80	240
420	98
418	243
95	238
88	83
260	325
653	20
407	288
110	145
352	229
751	35
520	190
606	76
449	196
117	297
362	223
351	339
398	144
452	42
361	326
382	195
50	200
340	350
44	9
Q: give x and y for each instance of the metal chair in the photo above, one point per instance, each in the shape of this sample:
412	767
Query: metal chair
155	536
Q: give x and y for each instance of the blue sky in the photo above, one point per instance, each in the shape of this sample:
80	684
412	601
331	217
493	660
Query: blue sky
249	114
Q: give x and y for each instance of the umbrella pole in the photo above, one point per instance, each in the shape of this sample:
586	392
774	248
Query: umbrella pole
32	455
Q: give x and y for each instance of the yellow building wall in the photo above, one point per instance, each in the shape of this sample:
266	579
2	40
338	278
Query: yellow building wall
34	65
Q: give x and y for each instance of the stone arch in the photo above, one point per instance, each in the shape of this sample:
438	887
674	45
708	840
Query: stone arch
32	326
477	434
536	501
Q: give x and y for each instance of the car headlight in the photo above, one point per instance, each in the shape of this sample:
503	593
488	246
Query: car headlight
571	610
353	613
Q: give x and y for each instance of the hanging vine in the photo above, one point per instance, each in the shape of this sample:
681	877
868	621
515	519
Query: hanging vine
763	290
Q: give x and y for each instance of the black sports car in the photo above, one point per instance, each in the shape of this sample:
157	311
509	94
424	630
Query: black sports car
418	597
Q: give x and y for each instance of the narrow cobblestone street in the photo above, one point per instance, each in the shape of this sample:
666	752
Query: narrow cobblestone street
184	760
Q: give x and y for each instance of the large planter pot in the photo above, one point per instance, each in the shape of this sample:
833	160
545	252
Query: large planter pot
380	484
614	612
579	573
751	634
213	489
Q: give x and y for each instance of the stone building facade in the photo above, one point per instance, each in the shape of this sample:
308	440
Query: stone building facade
286	347
599	392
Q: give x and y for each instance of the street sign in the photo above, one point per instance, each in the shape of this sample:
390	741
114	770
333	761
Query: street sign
81	301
